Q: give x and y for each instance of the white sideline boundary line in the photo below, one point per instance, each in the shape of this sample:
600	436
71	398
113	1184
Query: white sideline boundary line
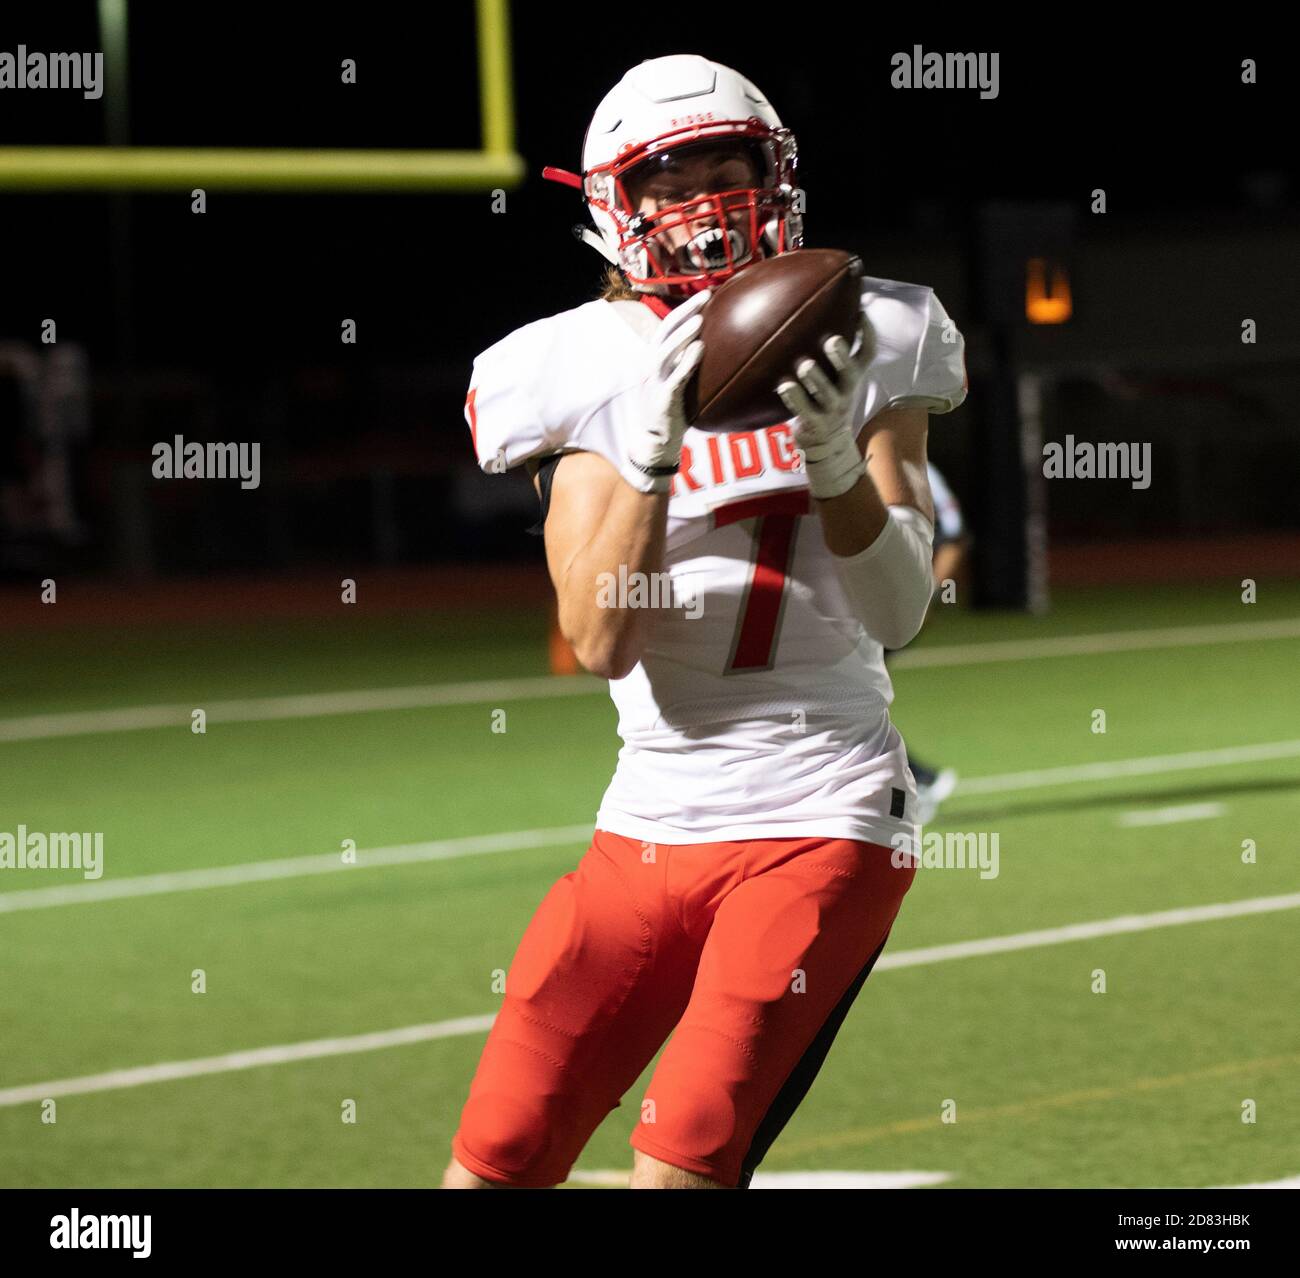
287	1053
1142	817
86	893
313	705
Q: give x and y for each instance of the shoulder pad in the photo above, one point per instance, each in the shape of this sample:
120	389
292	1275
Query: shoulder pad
920	353
533	392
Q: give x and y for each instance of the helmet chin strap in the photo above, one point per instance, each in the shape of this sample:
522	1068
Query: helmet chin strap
597	241
588	236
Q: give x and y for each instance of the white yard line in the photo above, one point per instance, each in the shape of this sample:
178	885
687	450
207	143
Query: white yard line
1098	644
1116	769
285	1054
89	892
170	1071
1289	1182
848	1180
1119	926
310	705
1171	816
494	692
289	868
612	1179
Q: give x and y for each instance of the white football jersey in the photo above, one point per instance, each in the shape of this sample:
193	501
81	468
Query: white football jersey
760	706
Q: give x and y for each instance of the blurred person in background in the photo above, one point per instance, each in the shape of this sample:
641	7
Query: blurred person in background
44	416
19	457
62	424
952	543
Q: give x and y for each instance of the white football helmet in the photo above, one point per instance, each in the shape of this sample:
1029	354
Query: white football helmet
657	109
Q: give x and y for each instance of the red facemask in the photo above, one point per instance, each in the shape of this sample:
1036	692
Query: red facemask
703	241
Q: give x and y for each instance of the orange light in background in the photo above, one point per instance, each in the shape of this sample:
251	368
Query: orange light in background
563	660
1044	306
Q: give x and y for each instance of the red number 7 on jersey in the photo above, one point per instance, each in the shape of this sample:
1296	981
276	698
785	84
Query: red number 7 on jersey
776	521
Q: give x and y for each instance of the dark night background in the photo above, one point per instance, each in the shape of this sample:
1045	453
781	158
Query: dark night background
226	326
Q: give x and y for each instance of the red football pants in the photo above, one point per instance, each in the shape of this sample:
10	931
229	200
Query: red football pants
753	951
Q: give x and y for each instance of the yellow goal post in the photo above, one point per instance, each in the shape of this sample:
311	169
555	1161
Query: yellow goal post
132	168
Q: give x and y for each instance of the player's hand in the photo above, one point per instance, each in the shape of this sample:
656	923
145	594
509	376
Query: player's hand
823	413
656	451
819	405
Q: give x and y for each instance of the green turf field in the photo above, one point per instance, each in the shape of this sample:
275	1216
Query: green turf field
1053	1084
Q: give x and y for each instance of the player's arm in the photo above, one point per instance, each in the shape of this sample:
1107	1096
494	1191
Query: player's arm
877	515
602	521
893	443
881	531
595	523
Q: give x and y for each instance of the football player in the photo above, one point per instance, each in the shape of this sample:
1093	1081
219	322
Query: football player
756	841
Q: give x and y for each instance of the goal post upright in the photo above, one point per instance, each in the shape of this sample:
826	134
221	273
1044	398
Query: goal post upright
130	168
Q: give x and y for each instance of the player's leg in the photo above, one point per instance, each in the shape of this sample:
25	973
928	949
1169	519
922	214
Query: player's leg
600	977
653	1173
457	1176
789	949
933	786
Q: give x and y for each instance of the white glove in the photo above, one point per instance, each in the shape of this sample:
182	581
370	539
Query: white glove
655	450
823	413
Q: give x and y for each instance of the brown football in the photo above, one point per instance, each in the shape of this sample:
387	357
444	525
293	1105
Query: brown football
760	324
